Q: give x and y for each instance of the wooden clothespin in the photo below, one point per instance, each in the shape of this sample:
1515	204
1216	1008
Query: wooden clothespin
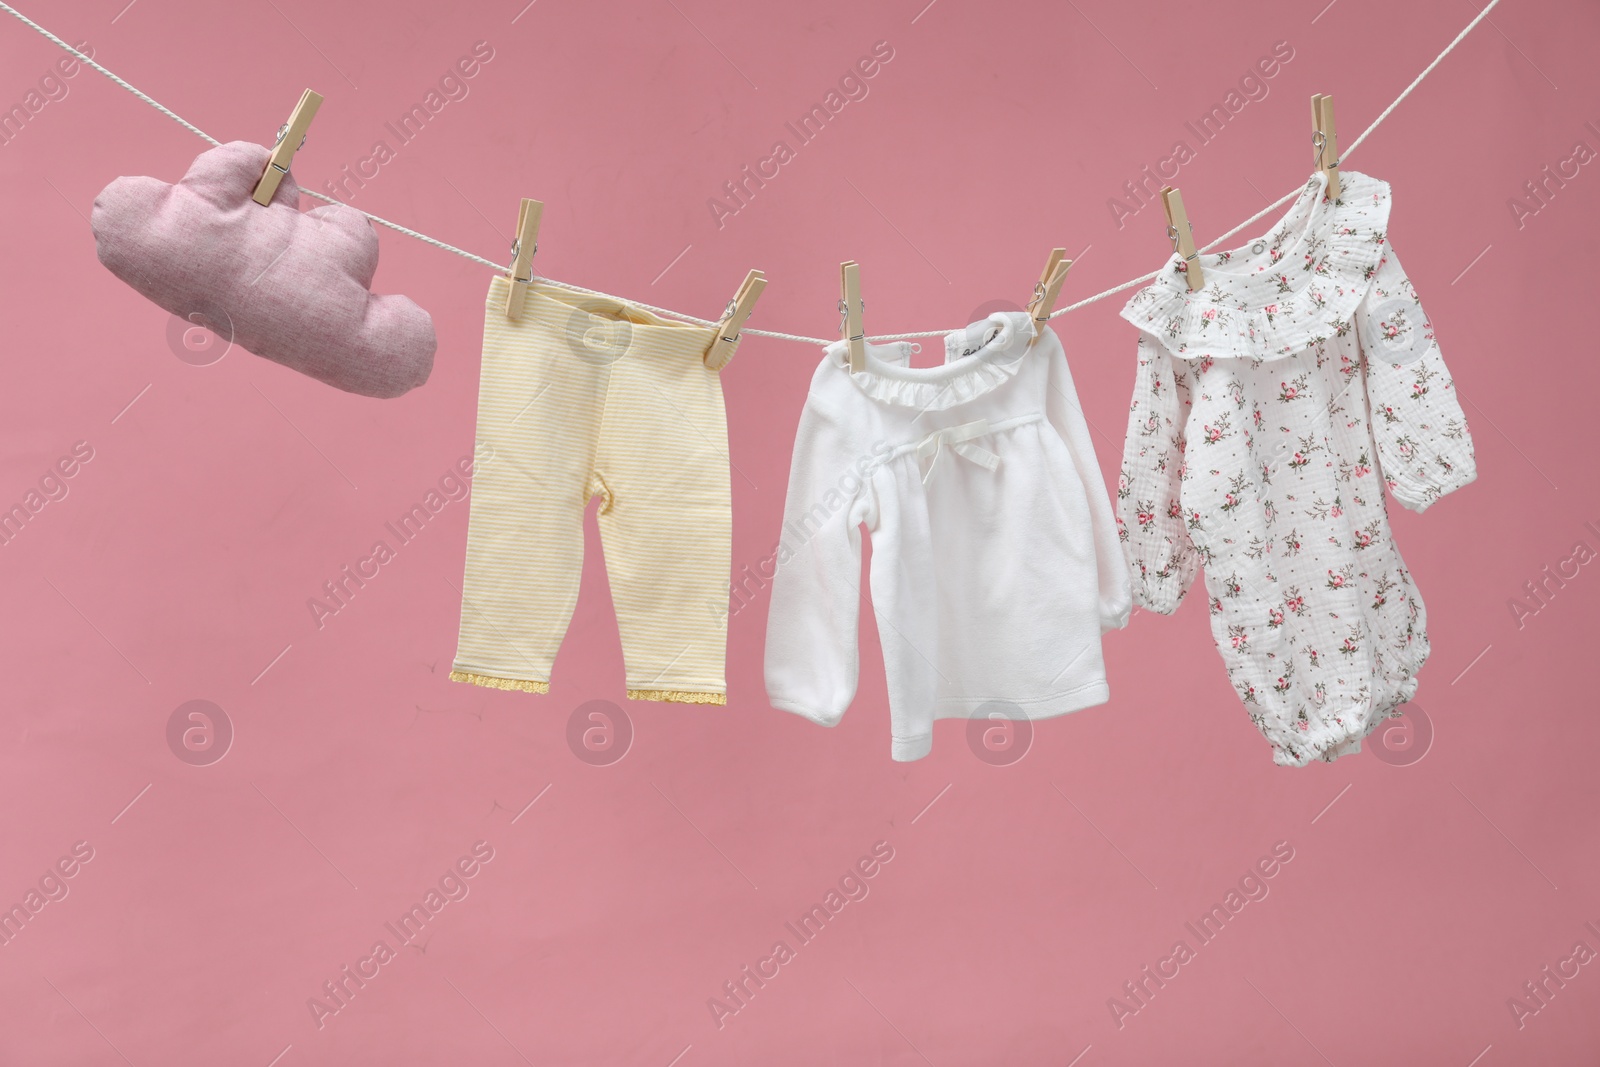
1326	141
289	141
523	247
728	330
1046	289
850	310
1182	236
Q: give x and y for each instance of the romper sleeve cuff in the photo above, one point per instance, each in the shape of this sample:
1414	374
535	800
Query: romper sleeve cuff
1455	472
1161	593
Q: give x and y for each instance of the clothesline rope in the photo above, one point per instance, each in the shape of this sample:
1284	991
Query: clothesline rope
501	267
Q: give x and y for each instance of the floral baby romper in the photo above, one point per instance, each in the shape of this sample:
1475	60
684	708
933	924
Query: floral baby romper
1271	409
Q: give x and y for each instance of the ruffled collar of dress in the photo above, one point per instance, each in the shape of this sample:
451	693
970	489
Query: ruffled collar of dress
1293	287
977	360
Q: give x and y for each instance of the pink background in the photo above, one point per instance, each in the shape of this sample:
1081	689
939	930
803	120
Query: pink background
1020	898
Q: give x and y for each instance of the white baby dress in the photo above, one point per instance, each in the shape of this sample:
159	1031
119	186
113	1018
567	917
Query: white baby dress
1270	411
995	564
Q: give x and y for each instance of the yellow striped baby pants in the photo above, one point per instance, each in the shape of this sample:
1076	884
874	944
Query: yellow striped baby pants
585	396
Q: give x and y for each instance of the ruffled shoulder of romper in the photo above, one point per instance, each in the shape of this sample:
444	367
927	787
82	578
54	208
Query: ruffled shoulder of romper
1303	298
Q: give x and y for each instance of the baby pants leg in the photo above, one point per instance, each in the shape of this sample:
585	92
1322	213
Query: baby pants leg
539	411
666	525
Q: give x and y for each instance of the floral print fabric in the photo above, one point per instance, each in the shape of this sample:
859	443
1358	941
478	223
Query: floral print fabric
1271	409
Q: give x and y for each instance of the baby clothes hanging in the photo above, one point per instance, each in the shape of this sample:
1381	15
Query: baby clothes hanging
586	396
1270	410
995	566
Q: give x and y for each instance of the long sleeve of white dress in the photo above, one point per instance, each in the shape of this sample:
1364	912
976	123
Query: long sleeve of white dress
1066	415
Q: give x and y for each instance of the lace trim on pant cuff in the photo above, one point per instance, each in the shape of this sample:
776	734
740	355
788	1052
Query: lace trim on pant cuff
521	685
677	696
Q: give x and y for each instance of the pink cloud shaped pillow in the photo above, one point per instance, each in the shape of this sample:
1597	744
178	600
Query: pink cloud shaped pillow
291	286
